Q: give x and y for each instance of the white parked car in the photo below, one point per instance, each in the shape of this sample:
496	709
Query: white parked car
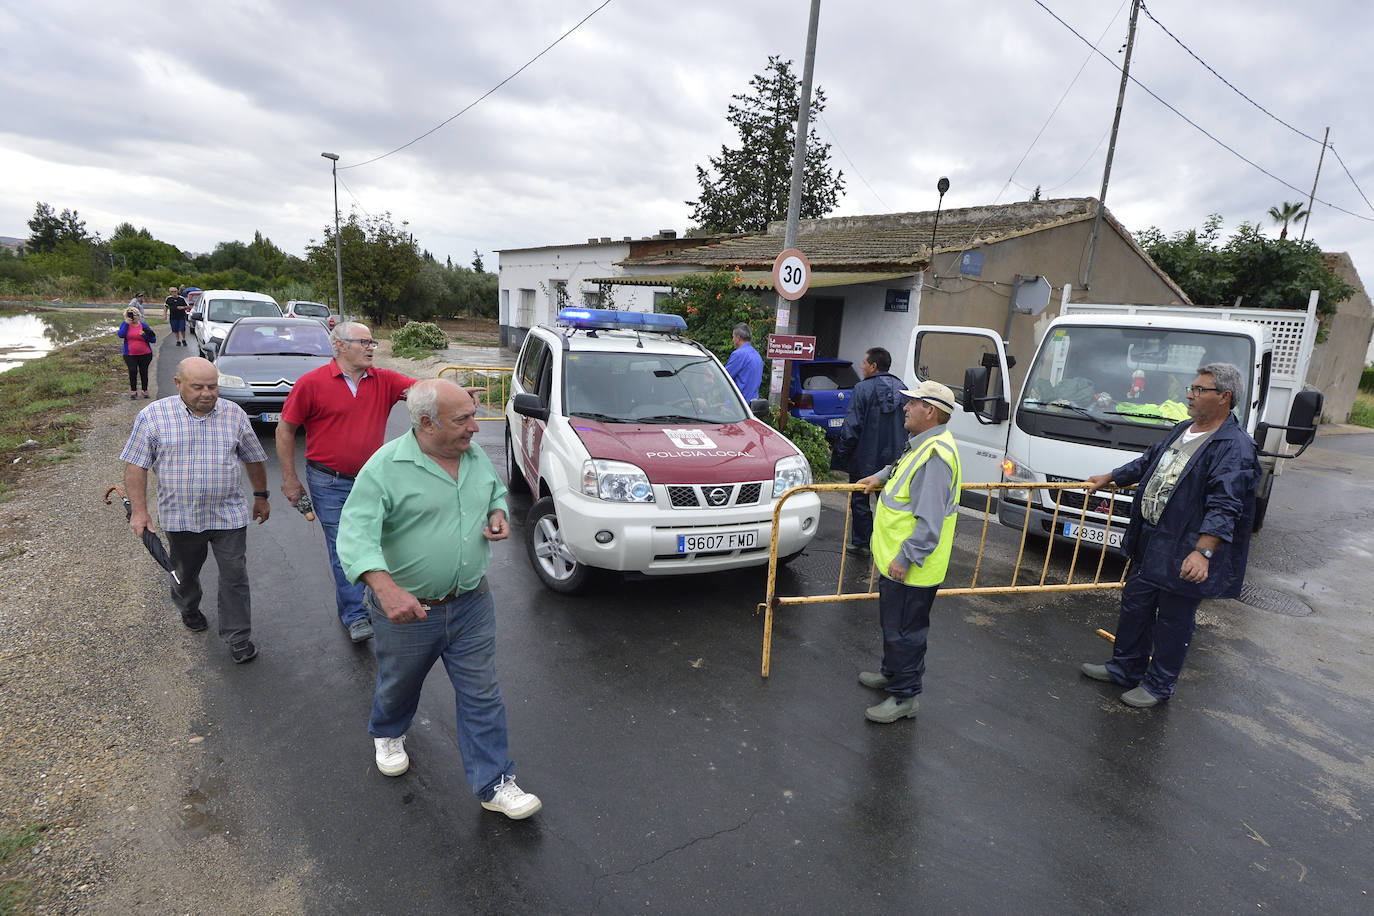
217	309
299	308
642	456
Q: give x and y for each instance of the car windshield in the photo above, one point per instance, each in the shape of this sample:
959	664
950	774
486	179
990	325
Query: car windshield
650	388
285	339
1127	374
231	310
827	376
311	310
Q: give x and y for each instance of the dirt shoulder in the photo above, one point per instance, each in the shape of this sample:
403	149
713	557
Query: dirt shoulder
103	728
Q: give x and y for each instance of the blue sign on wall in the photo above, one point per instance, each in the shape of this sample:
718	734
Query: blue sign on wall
898	300
971	263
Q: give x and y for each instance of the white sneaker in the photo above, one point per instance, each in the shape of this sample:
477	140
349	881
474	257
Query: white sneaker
511	801
392	758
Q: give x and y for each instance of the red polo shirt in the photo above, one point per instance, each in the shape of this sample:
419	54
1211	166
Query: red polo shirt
341	430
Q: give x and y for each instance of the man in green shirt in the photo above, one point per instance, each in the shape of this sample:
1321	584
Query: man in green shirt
416	524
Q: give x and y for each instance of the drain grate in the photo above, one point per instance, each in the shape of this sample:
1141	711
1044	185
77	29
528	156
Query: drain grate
1267	599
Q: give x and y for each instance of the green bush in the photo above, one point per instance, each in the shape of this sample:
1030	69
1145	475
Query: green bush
1367	379
810	439
419	335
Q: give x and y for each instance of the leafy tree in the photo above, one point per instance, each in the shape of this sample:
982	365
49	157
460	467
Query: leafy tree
49	228
237	255
1285	213
752	183
477	266
378	262
140	253
712	304
1258	272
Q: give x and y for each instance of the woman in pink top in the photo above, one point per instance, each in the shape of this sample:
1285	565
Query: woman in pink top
138	349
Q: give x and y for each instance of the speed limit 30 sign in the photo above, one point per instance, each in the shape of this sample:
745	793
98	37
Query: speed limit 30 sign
791	274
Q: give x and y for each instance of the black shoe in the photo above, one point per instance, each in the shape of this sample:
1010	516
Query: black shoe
195	621
243	652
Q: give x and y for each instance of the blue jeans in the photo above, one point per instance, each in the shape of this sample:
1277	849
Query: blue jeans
328	494
463	633
1152	620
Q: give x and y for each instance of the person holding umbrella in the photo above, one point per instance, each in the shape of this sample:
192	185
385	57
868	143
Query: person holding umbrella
195	443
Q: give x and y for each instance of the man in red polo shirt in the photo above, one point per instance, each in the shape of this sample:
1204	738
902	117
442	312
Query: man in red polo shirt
343	407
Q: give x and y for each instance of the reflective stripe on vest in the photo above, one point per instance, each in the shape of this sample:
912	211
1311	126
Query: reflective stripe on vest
893	522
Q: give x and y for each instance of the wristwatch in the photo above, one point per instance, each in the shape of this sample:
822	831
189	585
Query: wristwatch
263	494
1206	552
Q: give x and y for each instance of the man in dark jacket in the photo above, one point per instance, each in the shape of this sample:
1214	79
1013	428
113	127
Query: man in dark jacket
1188	538
873	436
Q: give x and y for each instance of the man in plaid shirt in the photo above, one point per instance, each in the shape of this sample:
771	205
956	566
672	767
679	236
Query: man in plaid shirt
195	444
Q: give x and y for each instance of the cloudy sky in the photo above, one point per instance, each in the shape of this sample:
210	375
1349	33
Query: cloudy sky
204	122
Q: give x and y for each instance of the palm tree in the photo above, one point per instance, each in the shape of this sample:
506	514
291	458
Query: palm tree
1286	214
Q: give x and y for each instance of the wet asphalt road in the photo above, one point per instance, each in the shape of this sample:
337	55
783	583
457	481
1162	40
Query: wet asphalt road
676	779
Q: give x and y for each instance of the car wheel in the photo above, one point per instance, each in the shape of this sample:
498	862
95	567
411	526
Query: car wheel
552	561
1261	507
515	478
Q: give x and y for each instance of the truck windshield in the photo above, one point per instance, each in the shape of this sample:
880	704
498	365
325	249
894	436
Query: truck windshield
1138	376
649	388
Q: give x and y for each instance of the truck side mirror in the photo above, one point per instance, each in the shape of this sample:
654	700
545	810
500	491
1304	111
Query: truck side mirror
529	405
1303	417
975	400
975	387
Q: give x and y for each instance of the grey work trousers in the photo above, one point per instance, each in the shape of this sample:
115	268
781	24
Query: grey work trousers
188	550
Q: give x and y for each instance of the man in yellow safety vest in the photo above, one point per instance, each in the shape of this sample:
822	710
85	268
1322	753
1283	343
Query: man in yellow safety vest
913	532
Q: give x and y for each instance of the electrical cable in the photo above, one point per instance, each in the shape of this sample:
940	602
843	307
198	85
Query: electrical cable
1332	147
1198	127
840	147
479	99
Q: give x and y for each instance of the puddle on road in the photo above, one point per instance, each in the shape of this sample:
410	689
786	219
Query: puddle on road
199	804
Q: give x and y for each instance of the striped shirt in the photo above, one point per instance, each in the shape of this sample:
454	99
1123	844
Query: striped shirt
198	462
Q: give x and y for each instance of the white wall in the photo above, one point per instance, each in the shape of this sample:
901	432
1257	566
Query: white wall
867	325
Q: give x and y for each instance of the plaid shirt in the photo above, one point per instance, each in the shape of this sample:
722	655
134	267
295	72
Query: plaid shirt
197	461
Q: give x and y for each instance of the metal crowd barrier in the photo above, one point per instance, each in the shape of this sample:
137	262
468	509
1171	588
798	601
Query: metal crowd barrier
491	404
773	600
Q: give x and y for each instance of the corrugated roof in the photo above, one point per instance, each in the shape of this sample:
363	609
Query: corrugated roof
892	240
762	279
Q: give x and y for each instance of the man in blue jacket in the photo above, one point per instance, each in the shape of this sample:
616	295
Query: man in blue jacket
1188	538
745	366
872	437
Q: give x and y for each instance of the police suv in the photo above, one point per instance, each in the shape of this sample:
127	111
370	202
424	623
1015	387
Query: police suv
642	456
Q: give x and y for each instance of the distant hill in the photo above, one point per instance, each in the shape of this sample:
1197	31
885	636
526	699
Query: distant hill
10	241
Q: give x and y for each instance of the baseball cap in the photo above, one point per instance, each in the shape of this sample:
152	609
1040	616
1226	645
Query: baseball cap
934	393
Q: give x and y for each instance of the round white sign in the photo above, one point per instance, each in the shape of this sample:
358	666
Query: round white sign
791	274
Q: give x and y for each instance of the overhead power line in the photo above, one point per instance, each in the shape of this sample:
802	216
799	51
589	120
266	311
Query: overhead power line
1234	152
479	99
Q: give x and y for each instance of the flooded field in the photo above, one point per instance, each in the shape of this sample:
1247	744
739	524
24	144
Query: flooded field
27	334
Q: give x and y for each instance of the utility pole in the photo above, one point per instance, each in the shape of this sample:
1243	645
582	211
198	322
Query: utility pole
783	315
1313	195
1111	147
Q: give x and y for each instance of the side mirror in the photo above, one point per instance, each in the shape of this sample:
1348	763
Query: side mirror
1303	417
988	410
759	408
975	387
212	348
529	405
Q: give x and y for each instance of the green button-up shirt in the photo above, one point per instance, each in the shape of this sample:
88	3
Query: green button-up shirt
406	516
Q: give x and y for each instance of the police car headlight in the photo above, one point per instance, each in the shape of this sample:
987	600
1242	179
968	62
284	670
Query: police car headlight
794	471
231	381
616	481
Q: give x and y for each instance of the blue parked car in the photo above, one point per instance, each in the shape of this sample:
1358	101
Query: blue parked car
820	393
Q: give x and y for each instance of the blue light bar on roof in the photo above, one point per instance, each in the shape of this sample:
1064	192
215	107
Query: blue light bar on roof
611	319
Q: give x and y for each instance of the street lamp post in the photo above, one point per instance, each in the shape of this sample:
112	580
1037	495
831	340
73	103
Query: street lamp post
338	259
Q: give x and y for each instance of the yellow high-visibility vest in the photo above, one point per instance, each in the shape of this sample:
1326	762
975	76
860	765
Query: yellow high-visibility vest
893	521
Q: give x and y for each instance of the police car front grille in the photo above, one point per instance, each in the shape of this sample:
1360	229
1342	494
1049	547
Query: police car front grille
713	495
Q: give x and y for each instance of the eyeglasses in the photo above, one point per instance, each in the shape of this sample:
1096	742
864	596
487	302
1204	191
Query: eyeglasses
366	342
1198	389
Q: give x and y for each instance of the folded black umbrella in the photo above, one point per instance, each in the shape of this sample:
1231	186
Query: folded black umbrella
150	539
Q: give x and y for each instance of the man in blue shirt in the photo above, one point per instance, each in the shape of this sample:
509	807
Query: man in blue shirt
745	365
